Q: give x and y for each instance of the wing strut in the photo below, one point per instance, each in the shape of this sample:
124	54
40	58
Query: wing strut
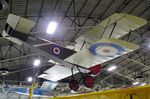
105	28
82	45
112	29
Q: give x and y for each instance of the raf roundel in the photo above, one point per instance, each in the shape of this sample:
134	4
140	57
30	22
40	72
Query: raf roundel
56	50
106	49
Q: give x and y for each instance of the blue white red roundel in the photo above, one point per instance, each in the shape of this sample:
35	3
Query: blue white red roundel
56	50
106	49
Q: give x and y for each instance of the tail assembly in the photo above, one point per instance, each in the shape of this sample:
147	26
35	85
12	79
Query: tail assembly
17	29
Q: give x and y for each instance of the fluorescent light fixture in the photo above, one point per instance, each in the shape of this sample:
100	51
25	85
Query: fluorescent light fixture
51	27
37	62
143	84
72	91
30	79
112	68
135	83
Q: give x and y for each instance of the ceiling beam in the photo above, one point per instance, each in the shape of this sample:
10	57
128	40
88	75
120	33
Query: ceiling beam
89	15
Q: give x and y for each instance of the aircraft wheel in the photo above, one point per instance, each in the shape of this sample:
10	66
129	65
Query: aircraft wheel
88	81
74	85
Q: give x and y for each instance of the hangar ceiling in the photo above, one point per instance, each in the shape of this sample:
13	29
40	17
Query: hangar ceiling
74	18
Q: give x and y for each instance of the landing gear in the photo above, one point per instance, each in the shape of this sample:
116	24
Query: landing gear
88	81
95	70
74	85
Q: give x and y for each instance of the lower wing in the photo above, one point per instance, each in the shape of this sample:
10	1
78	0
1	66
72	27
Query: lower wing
57	73
101	51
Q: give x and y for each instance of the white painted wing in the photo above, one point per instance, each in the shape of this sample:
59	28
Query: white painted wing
115	26
57	73
101	51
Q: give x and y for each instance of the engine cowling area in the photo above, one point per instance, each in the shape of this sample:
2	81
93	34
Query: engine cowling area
95	70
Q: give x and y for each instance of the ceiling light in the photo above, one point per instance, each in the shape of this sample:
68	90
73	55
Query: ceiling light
135	83
112	68
51	27
143	84
37	62
30	79
72	91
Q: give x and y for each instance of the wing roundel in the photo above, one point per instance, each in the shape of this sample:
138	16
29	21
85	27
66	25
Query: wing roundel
101	51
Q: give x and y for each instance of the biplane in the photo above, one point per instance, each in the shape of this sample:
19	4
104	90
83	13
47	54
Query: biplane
98	45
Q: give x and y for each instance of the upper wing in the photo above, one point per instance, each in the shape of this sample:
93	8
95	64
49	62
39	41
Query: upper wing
101	51
115	26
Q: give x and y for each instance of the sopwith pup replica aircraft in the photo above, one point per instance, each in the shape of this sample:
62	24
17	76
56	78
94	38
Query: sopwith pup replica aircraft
98	45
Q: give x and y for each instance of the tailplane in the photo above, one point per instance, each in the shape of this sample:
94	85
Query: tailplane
17	29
